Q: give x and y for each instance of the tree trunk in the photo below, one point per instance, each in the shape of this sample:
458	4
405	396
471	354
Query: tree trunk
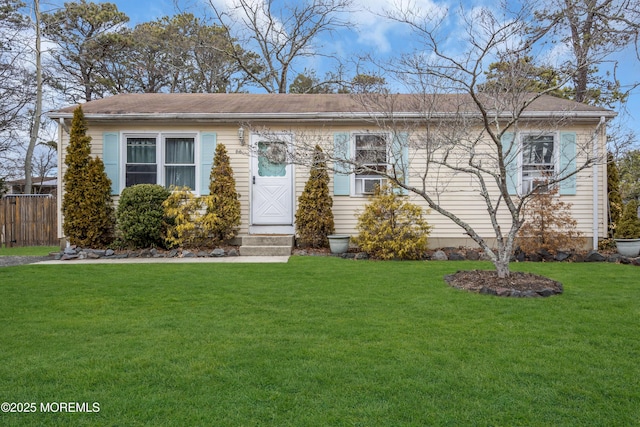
35	125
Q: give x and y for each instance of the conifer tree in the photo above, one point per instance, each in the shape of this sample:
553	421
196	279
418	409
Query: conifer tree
613	191
87	205
314	217
222	215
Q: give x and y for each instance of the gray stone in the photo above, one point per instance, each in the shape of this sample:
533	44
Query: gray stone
109	252
362	255
218	252
188	254
146	253
68	257
473	255
546	255
121	256
153	252
233	252
594	256
71	250
562	256
83	255
93	255
439	255
202	254
455	256
172	253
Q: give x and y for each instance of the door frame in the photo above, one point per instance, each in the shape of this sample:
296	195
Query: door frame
288	228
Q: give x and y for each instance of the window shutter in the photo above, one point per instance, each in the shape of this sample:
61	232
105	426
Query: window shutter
510	155
111	159
400	159
341	178
207	151
568	163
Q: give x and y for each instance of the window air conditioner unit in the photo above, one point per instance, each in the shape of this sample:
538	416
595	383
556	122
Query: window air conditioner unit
369	185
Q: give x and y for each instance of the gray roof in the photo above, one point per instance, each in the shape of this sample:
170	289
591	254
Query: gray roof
243	106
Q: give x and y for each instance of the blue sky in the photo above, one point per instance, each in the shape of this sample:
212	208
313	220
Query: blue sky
373	34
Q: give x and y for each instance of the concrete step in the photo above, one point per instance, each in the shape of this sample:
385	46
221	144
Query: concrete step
265	250
266	245
267	240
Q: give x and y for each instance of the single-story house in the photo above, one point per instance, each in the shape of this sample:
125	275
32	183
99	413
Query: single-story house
40	185
170	139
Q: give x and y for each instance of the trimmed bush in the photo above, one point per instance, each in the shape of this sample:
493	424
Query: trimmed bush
222	217
140	216
314	217
182	209
392	227
629	225
87	207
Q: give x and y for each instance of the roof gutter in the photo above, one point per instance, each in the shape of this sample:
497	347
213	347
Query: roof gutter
334	116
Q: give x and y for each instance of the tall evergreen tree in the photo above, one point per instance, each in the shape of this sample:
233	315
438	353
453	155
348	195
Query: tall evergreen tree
314	217
86	205
613	192
223	205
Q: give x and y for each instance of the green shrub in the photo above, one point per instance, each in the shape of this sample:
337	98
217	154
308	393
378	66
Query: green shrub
222	217
87	207
314	217
392	228
629	225
140	216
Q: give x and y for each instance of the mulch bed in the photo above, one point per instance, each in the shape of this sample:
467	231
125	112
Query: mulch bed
518	284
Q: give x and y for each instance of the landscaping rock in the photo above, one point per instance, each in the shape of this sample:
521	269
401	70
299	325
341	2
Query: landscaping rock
188	254
218	252
562	256
455	256
362	255
439	255
594	256
173	253
109	252
473	255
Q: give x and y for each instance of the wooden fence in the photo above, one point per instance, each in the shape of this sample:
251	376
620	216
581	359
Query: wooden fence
28	220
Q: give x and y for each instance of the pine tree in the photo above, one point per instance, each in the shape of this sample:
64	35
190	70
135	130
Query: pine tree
86	206
613	191
629	225
314	217
222	216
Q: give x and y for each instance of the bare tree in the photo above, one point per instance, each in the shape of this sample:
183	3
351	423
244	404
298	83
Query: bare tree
457	141
593	30
281	36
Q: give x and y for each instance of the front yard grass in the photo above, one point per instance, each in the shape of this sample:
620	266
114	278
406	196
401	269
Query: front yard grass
28	250
318	341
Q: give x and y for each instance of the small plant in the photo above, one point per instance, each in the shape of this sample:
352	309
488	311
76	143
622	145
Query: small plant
222	217
629	225
182	210
392	228
548	225
314	217
140	216
87	206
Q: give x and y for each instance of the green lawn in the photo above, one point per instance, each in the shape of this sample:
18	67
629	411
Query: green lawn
315	342
28	250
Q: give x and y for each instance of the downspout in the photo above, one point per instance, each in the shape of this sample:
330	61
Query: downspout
596	179
62	127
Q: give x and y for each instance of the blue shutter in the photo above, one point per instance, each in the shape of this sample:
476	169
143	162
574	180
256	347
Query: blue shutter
510	155
207	151
341	178
111	159
400	159
568	163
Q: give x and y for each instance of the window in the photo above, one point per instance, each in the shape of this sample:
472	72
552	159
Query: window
165	159
141	161
538	162
371	153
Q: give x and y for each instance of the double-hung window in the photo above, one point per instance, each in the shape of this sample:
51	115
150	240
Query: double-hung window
164	159
371	155
538	161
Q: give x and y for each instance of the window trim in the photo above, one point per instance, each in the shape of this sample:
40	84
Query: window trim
161	164
555	161
355	177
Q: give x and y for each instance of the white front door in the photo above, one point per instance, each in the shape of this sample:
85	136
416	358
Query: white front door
271	184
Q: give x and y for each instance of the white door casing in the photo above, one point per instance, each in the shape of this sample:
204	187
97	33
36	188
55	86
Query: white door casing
271	183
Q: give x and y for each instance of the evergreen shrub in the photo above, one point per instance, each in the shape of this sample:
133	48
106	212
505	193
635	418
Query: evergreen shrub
314	217
140	216
391	227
